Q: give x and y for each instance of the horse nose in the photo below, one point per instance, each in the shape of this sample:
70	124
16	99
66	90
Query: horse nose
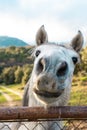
41	66
45	82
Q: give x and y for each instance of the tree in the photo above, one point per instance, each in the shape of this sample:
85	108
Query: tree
27	71
8	75
18	75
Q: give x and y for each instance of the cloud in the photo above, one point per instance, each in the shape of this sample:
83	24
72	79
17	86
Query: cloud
37	8
27	16
12	26
26	29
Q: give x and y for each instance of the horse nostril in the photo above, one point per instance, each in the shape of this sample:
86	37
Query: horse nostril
40	65
62	69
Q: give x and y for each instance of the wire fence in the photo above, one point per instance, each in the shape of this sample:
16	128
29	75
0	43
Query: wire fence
38	118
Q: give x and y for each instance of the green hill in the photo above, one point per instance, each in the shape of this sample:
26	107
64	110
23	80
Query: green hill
6	41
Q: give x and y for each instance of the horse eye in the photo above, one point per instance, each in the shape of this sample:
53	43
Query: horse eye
75	60
37	53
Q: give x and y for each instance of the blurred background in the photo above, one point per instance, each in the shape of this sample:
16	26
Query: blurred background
19	22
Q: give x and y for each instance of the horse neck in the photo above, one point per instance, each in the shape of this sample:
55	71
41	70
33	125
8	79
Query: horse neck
52	125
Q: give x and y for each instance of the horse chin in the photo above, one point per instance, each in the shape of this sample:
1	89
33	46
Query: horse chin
47	97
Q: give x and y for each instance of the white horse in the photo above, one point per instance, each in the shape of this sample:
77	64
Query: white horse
51	78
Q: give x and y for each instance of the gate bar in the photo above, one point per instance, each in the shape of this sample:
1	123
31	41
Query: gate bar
38	113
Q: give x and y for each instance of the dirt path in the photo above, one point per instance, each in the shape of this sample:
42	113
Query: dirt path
7	126
10	101
12	91
8	98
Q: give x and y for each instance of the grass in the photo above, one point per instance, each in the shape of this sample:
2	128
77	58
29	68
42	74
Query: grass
78	92
2	98
16	87
11	94
78	95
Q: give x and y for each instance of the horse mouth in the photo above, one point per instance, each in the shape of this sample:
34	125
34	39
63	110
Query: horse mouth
48	94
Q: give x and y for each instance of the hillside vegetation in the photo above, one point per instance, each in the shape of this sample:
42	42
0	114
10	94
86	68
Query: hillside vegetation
16	65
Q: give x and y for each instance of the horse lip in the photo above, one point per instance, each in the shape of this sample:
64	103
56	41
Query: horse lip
48	94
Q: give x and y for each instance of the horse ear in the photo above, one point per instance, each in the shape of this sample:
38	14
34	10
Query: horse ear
41	36
77	42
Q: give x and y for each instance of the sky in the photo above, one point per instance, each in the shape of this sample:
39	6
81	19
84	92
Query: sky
62	19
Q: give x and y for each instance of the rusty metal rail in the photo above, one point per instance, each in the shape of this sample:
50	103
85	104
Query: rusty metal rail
40	113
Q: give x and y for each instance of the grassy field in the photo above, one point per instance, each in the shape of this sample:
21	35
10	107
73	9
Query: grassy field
16	87
78	93
13	94
2	98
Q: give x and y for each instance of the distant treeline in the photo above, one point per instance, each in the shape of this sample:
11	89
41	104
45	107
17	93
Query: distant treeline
16	64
